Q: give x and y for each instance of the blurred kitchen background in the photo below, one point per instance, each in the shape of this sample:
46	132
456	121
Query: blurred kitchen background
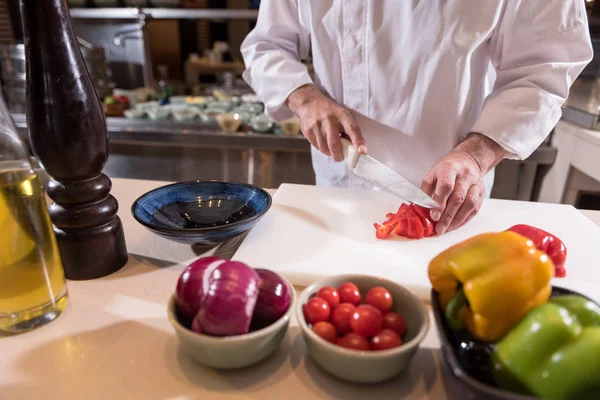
168	73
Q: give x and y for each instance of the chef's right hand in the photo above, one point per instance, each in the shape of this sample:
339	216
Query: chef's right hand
323	120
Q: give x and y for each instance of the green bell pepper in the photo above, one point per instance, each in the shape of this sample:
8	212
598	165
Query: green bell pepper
553	352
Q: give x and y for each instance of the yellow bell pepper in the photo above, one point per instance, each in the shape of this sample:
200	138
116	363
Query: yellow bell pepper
489	282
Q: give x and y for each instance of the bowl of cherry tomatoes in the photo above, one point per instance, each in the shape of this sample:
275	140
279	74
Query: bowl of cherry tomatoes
361	328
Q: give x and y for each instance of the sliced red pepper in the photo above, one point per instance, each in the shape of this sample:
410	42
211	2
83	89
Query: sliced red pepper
410	221
402	228
394	218
382	231
404	208
423	214
547	243
415	228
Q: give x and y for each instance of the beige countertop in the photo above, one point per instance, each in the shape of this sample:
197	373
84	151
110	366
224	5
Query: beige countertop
114	342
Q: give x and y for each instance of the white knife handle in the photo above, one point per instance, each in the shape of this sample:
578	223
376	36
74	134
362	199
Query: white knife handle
350	153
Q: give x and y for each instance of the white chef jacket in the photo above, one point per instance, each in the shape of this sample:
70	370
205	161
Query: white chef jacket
420	75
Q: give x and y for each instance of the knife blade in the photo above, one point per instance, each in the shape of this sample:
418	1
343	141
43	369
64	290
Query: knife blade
369	169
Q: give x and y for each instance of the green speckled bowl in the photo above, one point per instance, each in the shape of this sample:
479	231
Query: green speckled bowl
367	366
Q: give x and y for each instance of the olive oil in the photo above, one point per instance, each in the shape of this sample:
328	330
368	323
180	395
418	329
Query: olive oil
32	283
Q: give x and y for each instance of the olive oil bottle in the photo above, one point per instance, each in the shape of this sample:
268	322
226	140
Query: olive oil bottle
32	282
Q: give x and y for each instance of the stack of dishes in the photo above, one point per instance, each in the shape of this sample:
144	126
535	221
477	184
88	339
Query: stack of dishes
228	112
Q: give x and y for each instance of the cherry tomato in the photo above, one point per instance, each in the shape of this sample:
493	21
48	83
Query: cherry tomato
380	298
394	322
330	295
340	317
326	330
367	321
386	339
354	341
349	293
316	310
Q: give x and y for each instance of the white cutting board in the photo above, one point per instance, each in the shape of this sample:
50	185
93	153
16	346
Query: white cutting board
313	232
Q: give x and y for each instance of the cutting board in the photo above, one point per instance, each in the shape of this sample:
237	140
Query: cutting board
313	232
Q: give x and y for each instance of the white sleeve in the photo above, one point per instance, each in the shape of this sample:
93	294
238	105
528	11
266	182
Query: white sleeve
272	52
538	49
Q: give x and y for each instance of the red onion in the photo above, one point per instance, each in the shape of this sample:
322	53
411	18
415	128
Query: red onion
189	291
196	325
273	299
229	299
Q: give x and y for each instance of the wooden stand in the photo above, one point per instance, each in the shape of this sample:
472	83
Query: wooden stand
68	135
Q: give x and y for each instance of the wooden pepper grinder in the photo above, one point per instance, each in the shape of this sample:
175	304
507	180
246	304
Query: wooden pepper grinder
68	135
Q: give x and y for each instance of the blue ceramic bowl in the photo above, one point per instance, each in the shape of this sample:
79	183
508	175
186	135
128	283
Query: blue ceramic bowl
201	212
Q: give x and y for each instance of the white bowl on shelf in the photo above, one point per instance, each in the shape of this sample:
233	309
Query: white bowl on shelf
159	113
178	99
185	114
134	113
175	107
147	105
251	98
209	116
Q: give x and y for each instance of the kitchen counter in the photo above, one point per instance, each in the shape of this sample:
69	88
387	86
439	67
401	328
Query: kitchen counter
114	341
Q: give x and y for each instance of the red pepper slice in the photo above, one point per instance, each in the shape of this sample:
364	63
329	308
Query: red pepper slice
410	221
415	228
401	228
546	242
394	218
409	226
382	231
428	223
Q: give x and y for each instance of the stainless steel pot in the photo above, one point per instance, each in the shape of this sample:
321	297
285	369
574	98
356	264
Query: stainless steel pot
13	72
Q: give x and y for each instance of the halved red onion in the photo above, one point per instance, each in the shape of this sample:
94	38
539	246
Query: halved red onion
196	325
229	299
273	301
189	291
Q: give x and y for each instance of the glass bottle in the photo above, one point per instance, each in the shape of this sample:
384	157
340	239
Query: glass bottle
33	290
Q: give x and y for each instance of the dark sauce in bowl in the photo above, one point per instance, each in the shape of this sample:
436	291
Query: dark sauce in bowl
201	214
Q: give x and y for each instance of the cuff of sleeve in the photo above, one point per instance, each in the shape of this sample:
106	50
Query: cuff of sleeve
513	154
275	107
521	126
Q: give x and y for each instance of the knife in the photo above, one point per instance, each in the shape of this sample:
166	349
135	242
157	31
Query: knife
378	174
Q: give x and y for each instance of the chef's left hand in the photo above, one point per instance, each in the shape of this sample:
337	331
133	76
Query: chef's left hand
456	181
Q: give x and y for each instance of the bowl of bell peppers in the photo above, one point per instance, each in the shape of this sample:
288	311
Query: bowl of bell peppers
505	330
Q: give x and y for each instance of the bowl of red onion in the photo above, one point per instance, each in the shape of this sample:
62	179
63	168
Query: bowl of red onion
229	315
361	328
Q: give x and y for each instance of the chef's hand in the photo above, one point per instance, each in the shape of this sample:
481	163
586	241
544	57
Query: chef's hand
323	120
456	181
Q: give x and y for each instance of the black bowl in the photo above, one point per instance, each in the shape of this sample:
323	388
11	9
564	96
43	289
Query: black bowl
469	359
201	212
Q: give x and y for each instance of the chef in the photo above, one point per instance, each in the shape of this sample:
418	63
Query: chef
439	90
